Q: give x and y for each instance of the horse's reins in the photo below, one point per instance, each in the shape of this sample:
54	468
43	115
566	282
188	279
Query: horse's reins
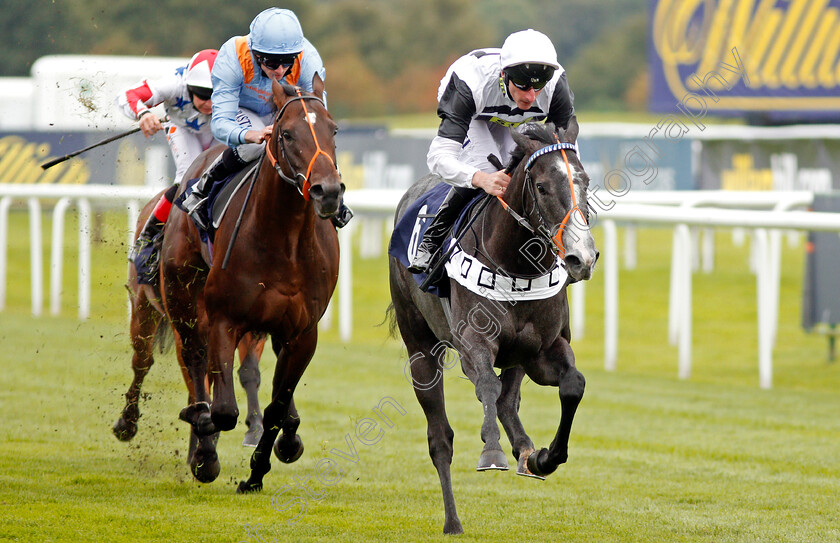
305	185
542	229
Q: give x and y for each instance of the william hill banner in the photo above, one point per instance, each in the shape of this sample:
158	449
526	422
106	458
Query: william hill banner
772	60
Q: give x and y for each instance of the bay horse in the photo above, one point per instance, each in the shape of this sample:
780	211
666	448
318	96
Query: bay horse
543	214
273	269
149	329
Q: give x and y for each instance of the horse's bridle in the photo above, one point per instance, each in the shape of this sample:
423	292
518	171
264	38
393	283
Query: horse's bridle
304	185
543	229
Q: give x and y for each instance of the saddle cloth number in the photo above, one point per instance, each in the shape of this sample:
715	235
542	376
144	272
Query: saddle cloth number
414	241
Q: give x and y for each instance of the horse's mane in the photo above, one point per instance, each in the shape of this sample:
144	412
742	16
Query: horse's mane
287	88
544	133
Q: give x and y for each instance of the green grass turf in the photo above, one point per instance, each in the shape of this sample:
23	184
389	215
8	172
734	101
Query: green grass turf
652	457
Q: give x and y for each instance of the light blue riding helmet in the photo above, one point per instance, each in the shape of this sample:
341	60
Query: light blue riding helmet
276	31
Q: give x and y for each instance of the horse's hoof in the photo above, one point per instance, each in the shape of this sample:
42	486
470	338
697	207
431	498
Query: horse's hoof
536	463
246	488
453	528
208	470
522	466
253	435
124	430
198	416
224	421
492	460
288	453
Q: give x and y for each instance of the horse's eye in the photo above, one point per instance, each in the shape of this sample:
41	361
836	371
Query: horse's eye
287	136
541	188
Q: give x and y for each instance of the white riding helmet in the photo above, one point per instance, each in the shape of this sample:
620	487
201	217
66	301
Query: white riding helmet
528	47
276	31
199	68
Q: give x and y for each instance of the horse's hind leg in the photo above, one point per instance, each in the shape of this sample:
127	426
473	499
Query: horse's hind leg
250	350
508	411
427	381
428	387
144	323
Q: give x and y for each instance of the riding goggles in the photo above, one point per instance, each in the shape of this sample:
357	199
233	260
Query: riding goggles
200	92
273	62
529	76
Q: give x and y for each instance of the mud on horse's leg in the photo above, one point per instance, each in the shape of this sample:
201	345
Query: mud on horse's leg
144	324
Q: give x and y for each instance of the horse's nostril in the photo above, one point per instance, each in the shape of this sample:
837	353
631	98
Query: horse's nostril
316	191
572	261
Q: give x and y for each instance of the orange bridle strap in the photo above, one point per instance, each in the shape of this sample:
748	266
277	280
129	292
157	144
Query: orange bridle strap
304	189
557	238
318	152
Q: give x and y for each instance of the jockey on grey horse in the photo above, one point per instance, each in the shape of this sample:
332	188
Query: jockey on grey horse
506	313
483	95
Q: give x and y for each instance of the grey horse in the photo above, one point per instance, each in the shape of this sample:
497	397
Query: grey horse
543	219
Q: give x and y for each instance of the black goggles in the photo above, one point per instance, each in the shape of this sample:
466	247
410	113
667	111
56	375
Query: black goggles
273	62
529	76
200	92
527	83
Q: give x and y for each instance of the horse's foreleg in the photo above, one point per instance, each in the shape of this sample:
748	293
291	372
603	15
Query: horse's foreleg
250	350
289	445
508	409
476	363
144	323
571	386
191	356
202	456
292	359
221	347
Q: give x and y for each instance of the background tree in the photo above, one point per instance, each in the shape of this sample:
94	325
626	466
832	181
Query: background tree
382	56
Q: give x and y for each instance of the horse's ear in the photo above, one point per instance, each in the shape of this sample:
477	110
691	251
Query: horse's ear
281	90
570	135
279	95
520	139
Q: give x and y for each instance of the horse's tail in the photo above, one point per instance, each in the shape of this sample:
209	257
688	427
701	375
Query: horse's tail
164	338
391	317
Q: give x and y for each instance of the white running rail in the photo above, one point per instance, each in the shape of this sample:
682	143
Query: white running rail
681	210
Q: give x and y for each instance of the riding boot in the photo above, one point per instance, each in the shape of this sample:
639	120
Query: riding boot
437	231
225	164
342	216
144	254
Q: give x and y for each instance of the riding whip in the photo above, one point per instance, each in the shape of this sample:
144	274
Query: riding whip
55	161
